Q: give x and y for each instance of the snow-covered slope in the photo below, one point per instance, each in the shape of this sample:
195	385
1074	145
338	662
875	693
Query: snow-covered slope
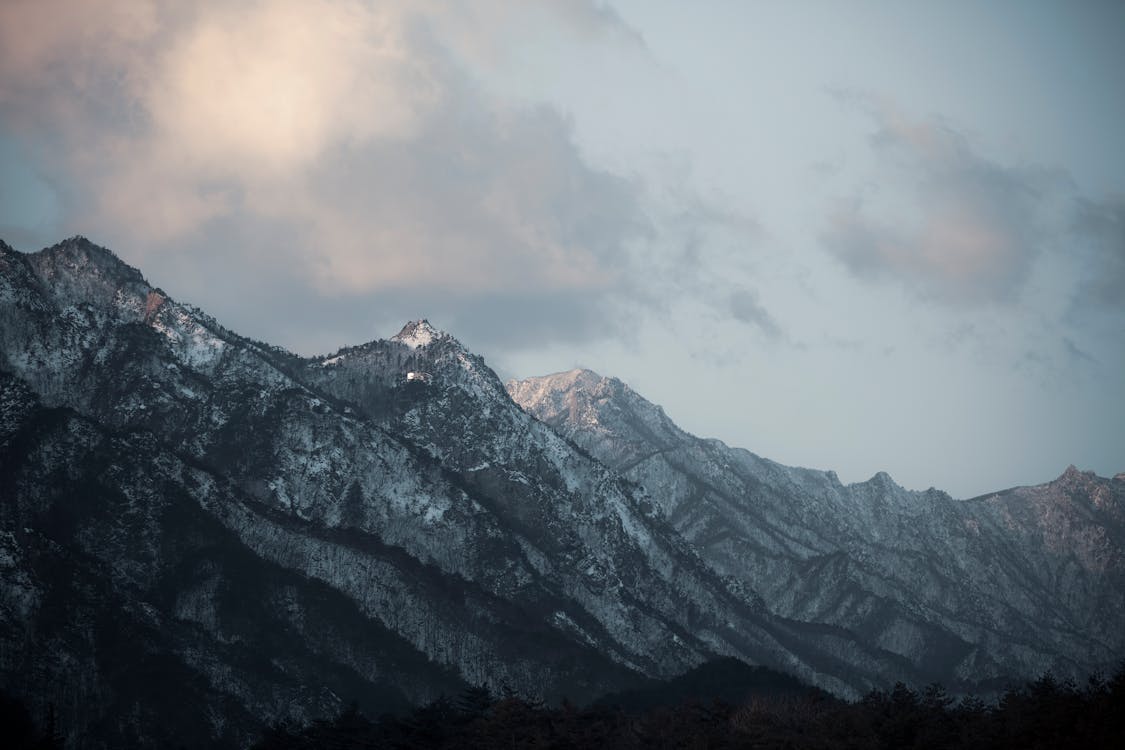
450	537
134	612
657	606
282	534
1014	583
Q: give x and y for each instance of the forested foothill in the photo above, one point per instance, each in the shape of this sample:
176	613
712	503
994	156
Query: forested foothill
1046	713
724	704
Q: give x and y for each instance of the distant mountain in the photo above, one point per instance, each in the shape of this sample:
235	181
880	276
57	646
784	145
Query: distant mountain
1012	583
200	533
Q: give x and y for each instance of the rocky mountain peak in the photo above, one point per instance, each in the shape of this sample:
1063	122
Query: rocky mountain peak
882	480
79	256
1076	480
419	354
1074	474
578	377
1103	493
552	388
582	400
419	333
77	270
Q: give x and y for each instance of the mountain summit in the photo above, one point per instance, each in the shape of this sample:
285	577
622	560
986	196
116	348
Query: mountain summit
275	535
418	333
201	534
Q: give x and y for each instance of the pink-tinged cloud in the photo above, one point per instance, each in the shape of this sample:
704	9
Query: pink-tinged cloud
350	128
938	217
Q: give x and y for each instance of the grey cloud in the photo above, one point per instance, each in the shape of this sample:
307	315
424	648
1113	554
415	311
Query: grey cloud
949	223
420	194
1077	354
858	242
477	202
266	295
26	239
479	273
1102	225
1056	359
696	250
328	169
598	17
744	306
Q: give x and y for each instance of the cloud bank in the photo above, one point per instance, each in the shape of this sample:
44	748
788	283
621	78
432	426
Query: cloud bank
938	217
342	150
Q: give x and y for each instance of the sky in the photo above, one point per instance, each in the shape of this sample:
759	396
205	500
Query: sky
862	236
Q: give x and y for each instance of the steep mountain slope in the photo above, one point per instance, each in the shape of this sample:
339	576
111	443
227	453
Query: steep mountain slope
140	619
580	525
408	533
1008	584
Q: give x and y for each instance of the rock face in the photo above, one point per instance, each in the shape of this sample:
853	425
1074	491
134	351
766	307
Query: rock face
200	533
1013	583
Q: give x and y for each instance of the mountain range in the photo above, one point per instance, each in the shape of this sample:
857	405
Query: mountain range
1028	579
201	534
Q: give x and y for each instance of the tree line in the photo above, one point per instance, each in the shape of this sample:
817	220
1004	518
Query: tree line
1045	713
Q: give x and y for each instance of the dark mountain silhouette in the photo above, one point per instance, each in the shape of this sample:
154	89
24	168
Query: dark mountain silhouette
201	535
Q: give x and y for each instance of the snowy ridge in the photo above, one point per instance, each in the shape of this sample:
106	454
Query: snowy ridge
367	515
418	333
444	516
918	572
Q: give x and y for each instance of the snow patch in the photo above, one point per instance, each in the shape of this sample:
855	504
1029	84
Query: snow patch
417	334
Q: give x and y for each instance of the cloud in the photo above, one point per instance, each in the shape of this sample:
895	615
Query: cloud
1077	354
267	88
950	224
706	250
62	52
260	295
478	201
342	148
744	306
1102	225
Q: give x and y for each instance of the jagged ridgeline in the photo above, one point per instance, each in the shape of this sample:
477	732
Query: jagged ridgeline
201	534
